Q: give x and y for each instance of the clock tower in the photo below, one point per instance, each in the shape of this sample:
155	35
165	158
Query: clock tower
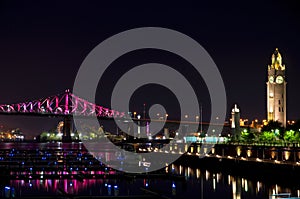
276	90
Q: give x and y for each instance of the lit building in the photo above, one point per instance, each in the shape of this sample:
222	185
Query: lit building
243	122
276	90
235	122
14	135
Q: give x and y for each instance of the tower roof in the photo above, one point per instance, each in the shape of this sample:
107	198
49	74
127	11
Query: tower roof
276	53
277	60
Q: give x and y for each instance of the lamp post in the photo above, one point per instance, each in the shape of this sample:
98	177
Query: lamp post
139	126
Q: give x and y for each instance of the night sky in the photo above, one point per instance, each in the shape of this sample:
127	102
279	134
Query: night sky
42	45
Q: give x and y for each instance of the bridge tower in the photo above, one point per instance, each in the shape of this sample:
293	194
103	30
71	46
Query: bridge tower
67	129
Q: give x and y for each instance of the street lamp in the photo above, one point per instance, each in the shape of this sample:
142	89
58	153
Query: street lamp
139	126
134	113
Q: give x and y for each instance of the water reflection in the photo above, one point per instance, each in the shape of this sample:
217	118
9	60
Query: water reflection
197	183
75	172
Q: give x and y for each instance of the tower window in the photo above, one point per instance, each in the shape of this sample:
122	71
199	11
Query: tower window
279	109
282	109
278	101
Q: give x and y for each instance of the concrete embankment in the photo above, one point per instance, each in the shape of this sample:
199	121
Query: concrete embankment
267	171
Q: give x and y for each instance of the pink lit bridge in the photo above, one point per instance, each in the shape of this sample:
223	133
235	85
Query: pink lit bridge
65	104
62	105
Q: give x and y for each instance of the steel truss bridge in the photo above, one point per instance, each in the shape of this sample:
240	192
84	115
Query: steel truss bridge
67	105
64	105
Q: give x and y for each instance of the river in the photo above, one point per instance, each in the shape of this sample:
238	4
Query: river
188	181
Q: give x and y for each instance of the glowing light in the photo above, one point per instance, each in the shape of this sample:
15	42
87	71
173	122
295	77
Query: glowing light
249	153
198	173
287	155
206	175
214	183
238	150
258	186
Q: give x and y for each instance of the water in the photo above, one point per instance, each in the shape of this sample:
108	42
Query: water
187	181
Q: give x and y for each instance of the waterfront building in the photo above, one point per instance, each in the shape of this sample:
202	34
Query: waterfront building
276	90
235	122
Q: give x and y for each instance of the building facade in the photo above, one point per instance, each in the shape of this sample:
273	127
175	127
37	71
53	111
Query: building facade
276	90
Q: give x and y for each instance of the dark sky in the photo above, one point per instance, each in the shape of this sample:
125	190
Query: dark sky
42	45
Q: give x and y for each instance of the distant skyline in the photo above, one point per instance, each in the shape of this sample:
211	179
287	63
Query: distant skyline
43	44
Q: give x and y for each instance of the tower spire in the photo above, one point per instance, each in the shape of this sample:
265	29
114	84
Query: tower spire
277	60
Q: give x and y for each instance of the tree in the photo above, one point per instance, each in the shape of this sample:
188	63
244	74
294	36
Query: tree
275	127
267	136
291	136
247	135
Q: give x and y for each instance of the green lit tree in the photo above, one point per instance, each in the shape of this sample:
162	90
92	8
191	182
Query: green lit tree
267	136
292	136
274	127
247	135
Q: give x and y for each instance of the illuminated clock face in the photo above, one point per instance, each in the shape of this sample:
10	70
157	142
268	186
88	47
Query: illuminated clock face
279	79
271	79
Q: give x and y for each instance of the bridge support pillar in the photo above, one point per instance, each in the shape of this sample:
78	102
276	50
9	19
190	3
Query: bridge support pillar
67	129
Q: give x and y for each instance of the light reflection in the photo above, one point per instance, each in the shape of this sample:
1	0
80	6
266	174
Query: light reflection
237	184
75	186
180	169
214	184
218	177
258	186
198	173
206	175
173	188
243	182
